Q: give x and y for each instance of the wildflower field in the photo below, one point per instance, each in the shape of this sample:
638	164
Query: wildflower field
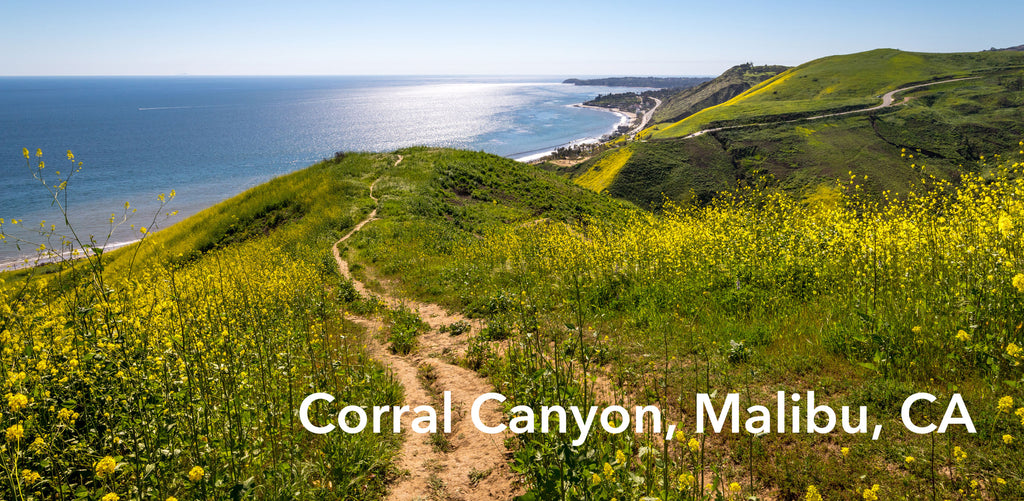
173	368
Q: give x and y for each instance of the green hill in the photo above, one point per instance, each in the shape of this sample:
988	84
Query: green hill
841	83
945	127
726	86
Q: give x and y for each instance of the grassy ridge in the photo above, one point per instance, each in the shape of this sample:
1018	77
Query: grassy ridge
838	82
944	128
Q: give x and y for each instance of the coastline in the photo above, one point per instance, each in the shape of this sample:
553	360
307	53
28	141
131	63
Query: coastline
32	262
625	118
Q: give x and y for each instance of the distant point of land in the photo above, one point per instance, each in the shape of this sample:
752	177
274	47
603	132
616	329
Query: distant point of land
654	82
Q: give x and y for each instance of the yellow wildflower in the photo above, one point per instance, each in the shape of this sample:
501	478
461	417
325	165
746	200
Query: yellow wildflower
24	151
17	401
609	472
845	451
909	459
620	457
1007	439
959	455
67	415
30	477
694	445
686	481
105	467
1014	351
596	479
735	487
1018	282
196	473
111	497
812	494
1005	224
872	493
1005	404
39	152
962	335
916	330
15	432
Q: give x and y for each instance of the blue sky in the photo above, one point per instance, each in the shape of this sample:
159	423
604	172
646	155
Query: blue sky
526	37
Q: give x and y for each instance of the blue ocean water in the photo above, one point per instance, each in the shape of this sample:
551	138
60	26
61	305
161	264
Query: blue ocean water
210	138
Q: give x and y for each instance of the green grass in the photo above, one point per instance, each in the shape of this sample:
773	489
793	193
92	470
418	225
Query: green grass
944	127
840	82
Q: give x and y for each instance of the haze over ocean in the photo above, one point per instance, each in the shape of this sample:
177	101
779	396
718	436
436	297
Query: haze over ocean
210	138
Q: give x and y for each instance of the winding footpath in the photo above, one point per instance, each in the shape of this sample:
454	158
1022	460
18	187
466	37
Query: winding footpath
475	466
888	99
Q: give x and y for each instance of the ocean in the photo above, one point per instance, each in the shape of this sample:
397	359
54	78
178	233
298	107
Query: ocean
210	138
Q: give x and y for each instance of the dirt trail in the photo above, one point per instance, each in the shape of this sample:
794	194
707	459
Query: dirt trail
476	464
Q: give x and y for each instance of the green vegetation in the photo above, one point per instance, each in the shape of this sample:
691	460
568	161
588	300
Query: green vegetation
726	86
174	367
943	127
858	298
840	83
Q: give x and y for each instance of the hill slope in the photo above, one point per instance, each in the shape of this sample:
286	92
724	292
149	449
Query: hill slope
840	83
726	86
945	127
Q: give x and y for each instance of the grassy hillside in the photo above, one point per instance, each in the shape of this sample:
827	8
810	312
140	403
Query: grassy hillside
944	128
864	300
840	82
128	385
726	86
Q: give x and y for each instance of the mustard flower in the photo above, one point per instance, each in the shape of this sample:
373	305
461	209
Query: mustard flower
609	472
1018	282
1007	439
1014	351
15	432
962	335
17	401
694	445
812	494
959	455
845	451
196	473
1005	404
620	457
30	477
595	479
111	497
909	459
686	481
105	467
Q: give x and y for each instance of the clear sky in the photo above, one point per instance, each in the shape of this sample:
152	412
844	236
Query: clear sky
511	37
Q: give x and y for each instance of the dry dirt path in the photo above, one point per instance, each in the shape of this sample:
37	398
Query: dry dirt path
475	466
887	101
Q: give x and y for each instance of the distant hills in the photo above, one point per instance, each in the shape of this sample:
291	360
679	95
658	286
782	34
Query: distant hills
653	82
946	127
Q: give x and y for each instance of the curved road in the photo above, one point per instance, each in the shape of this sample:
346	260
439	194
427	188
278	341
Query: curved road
887	101
647	118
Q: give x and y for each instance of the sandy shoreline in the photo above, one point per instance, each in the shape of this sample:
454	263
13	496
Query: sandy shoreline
625	118
32	262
